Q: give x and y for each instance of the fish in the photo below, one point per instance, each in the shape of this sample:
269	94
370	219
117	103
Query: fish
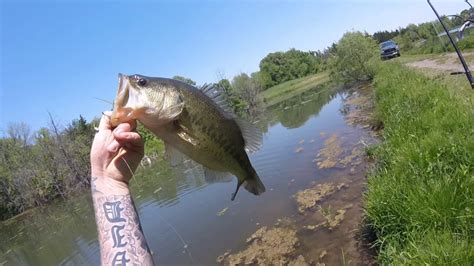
194	123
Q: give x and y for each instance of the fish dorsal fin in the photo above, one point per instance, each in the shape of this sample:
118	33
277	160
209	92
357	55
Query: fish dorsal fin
252	135
217	95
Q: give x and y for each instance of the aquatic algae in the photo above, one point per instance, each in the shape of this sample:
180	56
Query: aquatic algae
333	221
267	246
308	198
360	108
222	212
299	149
356	152
329	156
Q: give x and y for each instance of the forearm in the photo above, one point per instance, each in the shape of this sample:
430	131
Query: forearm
120	234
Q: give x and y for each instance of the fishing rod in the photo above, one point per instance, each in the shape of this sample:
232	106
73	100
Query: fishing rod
467	1
467	72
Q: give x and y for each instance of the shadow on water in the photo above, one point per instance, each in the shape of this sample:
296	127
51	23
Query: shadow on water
185	219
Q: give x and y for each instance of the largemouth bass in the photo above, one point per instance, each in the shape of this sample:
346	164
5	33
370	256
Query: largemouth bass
191	121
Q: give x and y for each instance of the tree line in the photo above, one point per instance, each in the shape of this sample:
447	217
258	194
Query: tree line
423	38
36	167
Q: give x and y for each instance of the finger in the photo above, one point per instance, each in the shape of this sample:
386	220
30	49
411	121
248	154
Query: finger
129	138
126	127
114	146
105	121
133	124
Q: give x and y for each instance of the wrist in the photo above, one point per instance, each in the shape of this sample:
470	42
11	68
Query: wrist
108	186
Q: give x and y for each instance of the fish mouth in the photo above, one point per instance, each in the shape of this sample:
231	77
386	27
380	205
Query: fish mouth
122	92
121	112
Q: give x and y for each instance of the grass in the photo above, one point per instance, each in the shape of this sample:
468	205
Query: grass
458	84
439	57
420	199
294	87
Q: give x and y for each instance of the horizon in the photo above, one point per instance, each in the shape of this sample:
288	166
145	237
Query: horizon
75	50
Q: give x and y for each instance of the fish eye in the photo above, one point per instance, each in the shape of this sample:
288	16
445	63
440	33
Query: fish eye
141	82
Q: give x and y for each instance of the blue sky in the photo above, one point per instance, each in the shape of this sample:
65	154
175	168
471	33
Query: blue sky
57	56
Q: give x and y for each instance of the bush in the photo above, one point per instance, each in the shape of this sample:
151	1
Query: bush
467	42
353	52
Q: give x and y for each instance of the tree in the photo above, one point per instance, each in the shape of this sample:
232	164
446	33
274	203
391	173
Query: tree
353	54
382	36
247	88
19	132
279	67
186	80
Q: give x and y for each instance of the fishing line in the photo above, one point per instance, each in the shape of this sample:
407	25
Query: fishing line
109	102
180	238
163	219
130	169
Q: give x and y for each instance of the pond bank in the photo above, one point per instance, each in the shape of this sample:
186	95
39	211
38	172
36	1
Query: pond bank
419	200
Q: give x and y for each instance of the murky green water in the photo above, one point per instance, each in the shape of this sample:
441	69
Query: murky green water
186	220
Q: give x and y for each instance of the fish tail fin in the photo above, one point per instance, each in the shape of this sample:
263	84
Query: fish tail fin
252	184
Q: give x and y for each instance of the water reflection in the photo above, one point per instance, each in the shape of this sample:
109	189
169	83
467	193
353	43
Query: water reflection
294	112
48	234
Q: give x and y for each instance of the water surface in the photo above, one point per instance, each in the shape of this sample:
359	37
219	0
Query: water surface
182	216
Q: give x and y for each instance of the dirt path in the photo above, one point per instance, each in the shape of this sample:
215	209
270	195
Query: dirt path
448	62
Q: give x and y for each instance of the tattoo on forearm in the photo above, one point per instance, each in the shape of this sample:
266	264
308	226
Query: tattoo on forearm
120	234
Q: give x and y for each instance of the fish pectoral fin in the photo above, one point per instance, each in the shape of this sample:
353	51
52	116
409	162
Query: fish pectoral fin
174	156
186	135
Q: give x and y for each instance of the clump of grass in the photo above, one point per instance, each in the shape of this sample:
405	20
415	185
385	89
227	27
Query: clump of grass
420	199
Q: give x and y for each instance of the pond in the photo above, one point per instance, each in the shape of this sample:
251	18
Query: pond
309	144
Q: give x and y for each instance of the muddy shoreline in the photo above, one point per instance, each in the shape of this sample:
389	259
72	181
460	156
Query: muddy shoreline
328	227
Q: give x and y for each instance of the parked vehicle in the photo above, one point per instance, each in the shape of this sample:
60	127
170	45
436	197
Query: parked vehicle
389	49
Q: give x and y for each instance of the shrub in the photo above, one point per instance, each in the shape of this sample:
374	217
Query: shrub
353	52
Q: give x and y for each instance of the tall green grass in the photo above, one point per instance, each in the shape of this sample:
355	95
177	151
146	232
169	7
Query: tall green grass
420	199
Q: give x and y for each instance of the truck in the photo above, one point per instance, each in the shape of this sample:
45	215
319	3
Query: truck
389	49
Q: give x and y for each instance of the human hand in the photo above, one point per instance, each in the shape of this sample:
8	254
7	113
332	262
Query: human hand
115	155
